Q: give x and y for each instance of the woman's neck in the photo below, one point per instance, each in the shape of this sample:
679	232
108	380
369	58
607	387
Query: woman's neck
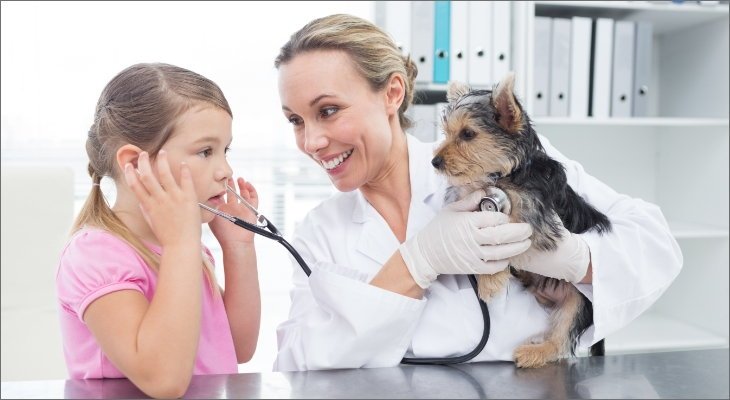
390	192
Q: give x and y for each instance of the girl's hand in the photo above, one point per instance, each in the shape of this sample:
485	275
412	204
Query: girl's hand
171	210
226	232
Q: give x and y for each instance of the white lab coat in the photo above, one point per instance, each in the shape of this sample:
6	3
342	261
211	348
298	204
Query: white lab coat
338	320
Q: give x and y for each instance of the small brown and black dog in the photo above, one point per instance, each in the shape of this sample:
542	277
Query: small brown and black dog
490	142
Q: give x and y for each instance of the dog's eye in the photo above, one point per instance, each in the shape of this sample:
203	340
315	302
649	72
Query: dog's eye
467	134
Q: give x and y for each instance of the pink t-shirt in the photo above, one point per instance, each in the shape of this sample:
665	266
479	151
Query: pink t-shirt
96	262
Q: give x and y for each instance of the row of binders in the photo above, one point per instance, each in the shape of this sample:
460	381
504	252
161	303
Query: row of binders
591	67
465	41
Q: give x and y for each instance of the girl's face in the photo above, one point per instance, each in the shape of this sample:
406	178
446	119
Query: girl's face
201	138
338	120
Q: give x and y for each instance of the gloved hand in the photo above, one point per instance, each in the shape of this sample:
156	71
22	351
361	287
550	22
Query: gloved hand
569	261
461	241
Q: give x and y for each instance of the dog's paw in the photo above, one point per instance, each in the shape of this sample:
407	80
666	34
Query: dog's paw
535	355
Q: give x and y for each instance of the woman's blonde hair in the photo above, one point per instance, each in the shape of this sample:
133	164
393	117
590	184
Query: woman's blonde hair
374	53
139	106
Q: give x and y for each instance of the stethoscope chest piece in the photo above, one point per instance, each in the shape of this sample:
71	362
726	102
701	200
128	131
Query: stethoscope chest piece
495	200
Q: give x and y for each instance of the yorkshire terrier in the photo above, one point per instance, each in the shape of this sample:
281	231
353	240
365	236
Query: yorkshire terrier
490	141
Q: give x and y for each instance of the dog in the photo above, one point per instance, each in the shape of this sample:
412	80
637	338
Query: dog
490	141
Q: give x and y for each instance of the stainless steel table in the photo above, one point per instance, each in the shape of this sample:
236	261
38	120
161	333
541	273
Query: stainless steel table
686	374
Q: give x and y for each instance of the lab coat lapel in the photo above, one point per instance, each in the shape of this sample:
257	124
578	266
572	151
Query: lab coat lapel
377	241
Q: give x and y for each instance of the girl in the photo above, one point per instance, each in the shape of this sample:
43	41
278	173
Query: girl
135	284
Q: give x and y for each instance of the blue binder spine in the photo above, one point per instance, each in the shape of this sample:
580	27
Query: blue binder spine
442	40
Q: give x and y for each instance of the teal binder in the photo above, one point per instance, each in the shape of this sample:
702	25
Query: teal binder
442	40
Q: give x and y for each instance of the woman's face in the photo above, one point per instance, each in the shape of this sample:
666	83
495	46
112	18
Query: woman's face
338	120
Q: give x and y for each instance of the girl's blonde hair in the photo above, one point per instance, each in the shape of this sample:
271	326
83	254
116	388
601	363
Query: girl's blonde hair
139	106
373	52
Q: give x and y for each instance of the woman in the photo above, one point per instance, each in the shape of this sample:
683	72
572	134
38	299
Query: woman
389	264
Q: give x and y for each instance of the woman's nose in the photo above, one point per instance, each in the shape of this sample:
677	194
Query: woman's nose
315	138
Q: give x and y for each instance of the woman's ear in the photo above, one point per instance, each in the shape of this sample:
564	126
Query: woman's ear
128	153
395	92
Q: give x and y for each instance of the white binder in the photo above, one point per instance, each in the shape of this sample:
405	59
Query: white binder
580	66
541	94
459	56
501	39
642	71
560	68
602	67
480	44
623	69
424	121
422	39
395	18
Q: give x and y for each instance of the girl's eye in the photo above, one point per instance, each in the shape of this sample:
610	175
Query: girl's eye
206	153
228	149
328	111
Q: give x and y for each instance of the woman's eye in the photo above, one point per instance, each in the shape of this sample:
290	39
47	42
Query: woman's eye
295	121
328	111
206	153
227	150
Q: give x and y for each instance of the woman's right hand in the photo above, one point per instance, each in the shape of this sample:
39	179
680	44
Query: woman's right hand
171	210
462	241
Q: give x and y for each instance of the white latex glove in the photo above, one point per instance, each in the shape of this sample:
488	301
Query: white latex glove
568	262
461	241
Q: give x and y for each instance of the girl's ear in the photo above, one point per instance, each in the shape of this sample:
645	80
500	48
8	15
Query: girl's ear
395	92
128	153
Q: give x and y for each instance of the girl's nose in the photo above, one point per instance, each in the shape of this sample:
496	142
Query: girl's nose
224	172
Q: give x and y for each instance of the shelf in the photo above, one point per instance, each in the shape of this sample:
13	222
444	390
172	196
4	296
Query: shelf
665	16
686	230
651	332
634	122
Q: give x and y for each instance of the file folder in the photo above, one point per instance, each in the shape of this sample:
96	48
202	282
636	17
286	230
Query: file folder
442	41
602	68
459	41
541	94
424	121
580	66
560	68
623	69
642	72
422	35
395	18
480	44
501	39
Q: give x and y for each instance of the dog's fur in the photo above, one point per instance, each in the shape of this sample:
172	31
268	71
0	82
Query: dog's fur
490	142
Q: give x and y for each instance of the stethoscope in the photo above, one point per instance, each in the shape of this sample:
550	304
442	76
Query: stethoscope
495	200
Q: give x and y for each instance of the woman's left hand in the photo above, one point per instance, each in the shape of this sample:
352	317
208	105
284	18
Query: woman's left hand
569	261
227	232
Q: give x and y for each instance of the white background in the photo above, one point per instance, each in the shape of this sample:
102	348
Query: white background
58	56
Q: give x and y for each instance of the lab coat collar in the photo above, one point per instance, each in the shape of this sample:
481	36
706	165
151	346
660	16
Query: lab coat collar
423	185
376	240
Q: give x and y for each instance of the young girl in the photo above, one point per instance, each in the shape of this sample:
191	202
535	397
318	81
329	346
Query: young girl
135	284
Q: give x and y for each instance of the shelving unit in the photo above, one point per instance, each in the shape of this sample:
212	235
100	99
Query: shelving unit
677	158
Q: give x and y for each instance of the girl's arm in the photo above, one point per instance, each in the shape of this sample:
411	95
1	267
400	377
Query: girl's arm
154	344
242	297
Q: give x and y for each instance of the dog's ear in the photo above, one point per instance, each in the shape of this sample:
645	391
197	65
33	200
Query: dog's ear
509	114
456	90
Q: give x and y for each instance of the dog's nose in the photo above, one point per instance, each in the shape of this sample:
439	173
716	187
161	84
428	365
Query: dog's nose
438	162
